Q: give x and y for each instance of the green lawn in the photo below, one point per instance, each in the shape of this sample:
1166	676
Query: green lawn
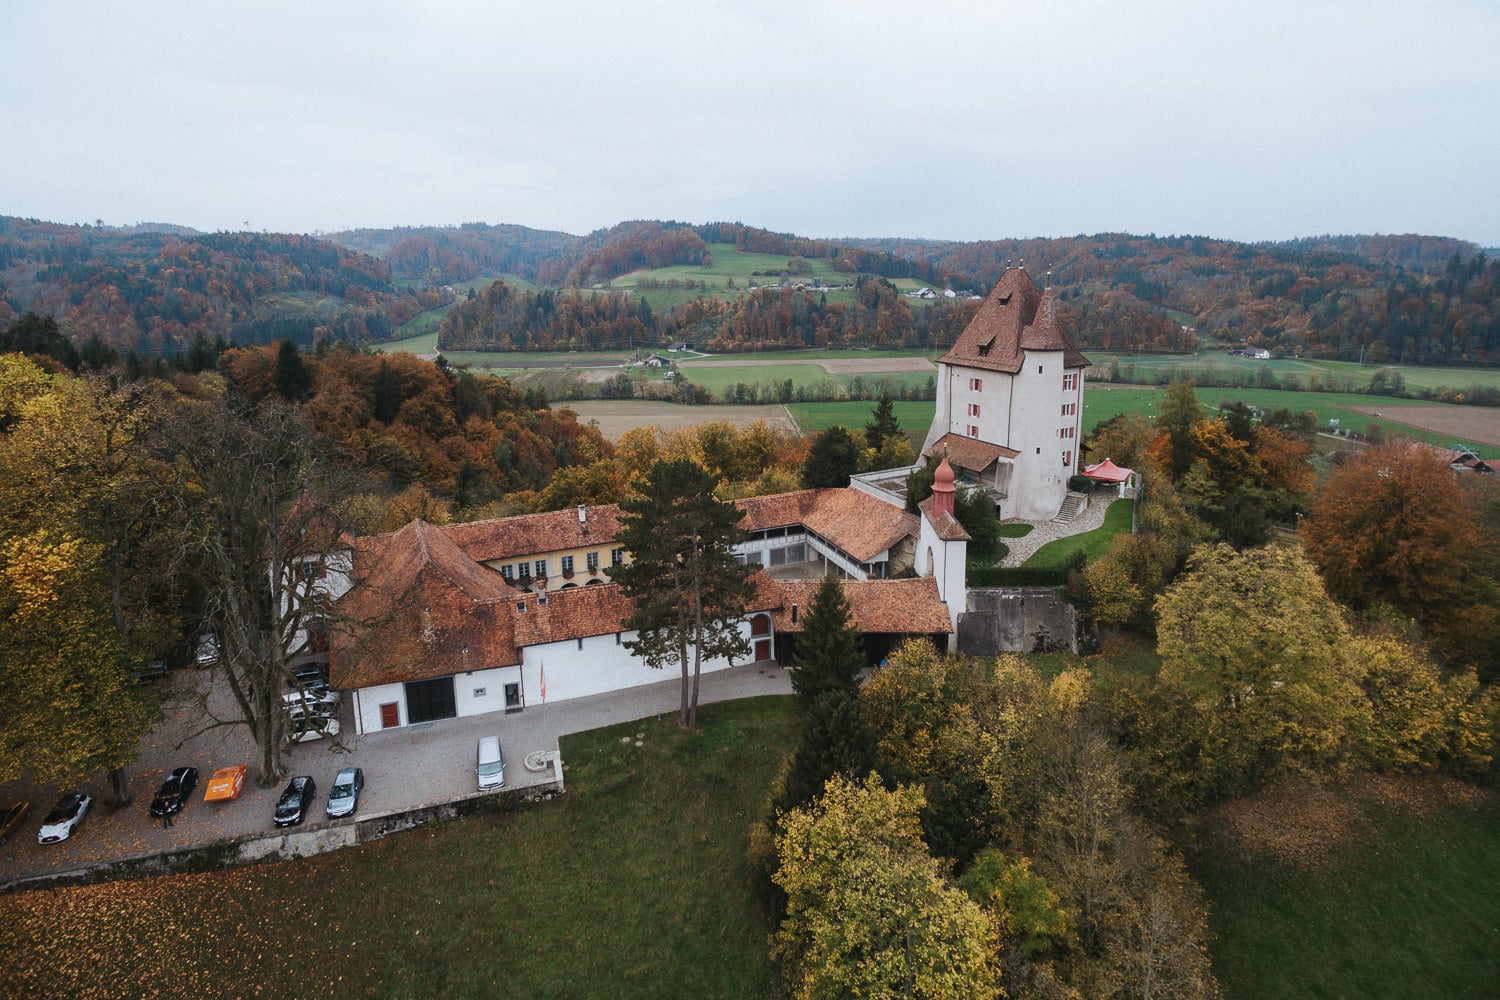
1056	554
1409	912
719	379
634	884
914	415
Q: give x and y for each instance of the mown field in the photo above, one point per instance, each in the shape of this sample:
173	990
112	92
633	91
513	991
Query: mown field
1382	889
634	884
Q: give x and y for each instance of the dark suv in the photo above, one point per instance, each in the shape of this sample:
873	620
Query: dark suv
292	807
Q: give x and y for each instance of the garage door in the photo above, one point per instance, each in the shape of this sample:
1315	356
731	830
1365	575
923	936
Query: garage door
428	700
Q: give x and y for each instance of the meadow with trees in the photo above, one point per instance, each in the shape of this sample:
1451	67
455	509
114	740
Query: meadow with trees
1046	826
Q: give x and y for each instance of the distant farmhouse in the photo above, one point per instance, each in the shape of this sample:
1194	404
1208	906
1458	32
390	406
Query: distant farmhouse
462	619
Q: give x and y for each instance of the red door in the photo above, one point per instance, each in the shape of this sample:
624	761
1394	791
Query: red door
762	649
390	715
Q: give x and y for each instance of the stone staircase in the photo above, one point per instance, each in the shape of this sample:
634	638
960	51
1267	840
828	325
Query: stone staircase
1072	504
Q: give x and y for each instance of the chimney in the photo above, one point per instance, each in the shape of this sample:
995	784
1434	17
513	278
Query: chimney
942	489
794	614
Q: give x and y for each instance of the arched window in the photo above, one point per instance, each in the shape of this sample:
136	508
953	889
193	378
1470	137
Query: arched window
760	625
931	564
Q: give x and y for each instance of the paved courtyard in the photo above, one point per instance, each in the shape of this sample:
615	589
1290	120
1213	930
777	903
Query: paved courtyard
404	768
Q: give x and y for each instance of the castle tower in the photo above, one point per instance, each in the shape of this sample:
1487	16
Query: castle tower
1009	401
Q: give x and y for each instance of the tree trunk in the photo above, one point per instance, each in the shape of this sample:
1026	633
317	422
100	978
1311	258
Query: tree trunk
119	790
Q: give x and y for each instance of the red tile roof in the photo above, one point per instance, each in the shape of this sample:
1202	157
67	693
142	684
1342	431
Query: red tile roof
970	453
1015	317
945	524
862	525
534	534
420	609
892	607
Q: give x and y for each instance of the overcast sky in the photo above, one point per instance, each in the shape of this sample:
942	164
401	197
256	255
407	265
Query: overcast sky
1251	121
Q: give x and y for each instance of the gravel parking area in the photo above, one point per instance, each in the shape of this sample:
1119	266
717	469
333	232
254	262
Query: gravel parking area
404	768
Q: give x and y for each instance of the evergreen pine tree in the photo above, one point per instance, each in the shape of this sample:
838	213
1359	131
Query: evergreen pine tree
293	380
836	739
832	459
885	424
829	656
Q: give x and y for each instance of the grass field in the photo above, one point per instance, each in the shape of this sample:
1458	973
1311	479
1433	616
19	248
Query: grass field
1101	403
1356	375
721	380
1404	907
634	884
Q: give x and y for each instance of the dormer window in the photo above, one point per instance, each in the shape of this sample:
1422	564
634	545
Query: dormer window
984	350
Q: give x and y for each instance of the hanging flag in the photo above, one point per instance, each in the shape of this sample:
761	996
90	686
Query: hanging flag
544	683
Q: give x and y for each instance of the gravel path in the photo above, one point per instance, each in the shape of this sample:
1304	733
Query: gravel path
1022	549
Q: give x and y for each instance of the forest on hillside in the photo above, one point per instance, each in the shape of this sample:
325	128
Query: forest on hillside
152	289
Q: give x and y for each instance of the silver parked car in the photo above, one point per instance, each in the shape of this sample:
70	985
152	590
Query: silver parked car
490	766
343	797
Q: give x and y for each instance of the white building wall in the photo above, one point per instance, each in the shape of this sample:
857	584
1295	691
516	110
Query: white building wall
944	562
957	393
600	666
1041	479
467	701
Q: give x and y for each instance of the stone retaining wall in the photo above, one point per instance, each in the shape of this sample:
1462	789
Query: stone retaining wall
1017	620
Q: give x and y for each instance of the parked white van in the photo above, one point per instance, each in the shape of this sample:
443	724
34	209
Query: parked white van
491	769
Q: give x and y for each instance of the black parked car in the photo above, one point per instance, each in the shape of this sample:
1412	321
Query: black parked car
292	808
173	793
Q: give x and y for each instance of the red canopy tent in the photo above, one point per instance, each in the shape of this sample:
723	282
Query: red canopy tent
1108	472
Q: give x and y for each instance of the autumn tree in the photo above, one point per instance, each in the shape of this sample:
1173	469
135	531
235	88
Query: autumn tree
1252	640
1173	451
1394	525
253	490
1123	439
1120	587
71	709
80	447
869	912
689	592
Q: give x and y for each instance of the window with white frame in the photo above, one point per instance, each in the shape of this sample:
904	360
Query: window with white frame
616	556
1067	458
973	431
506	571
973	409
1070	381
541	567
1068	409
976	384
567	564
592	559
